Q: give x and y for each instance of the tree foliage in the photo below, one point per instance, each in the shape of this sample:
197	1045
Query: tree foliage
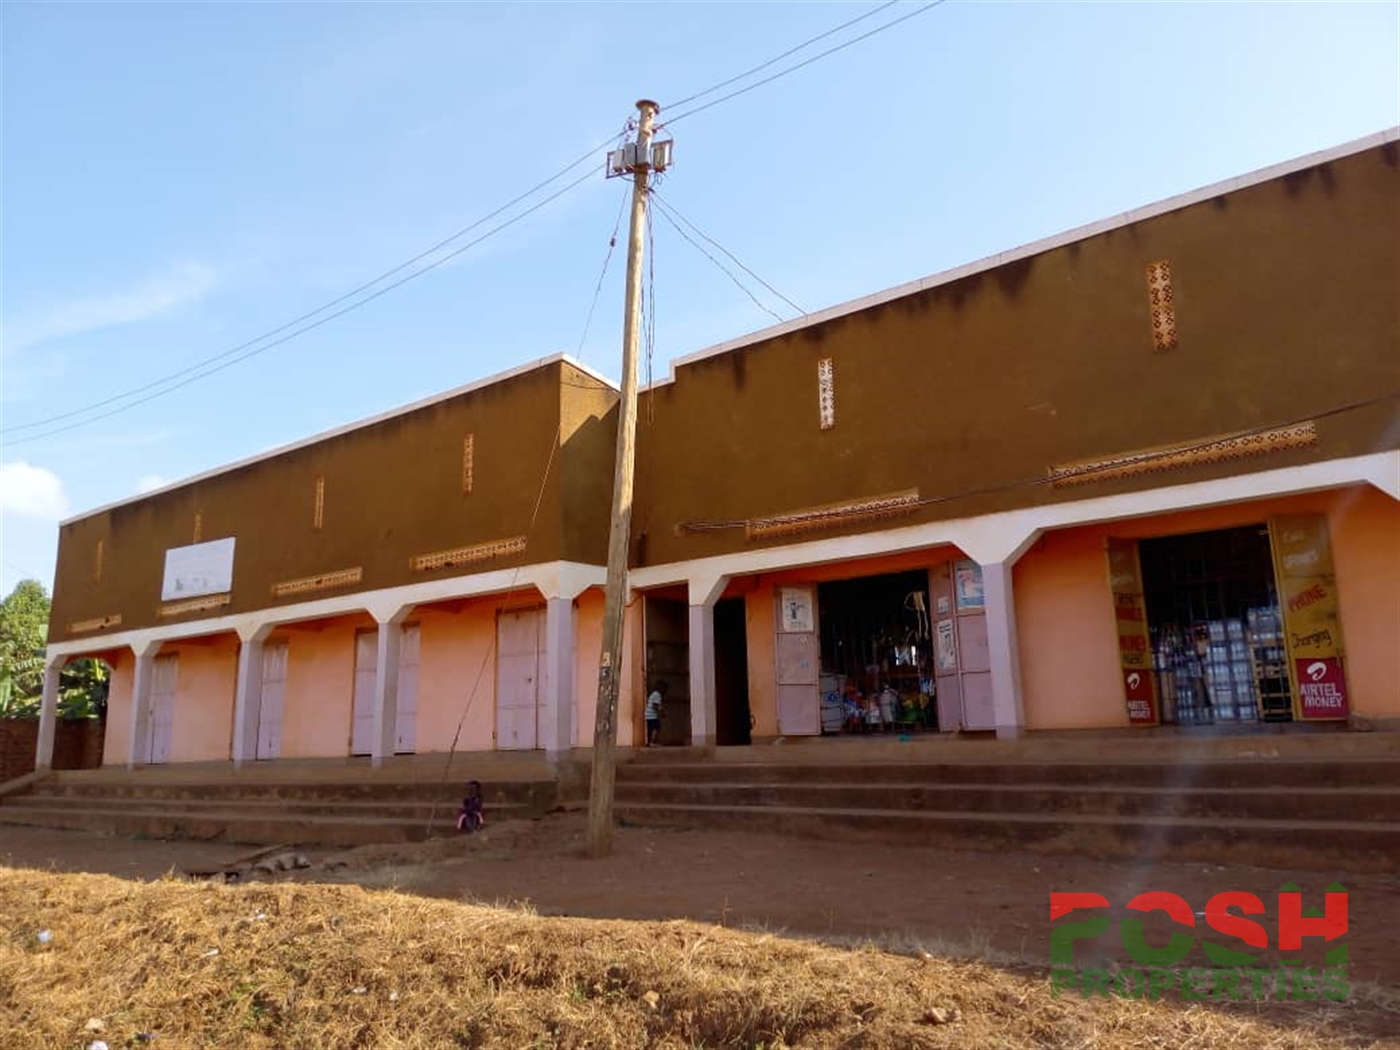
24	626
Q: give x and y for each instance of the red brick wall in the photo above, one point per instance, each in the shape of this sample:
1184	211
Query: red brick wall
77	745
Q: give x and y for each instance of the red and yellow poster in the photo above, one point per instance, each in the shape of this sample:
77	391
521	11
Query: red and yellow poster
1312	630
1134	642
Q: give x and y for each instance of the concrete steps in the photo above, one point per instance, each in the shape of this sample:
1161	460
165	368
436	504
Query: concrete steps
1336	813
230	826
300	809
393	811
1360	804
1260	773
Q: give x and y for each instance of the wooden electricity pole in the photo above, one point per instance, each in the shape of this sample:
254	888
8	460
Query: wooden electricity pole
636	158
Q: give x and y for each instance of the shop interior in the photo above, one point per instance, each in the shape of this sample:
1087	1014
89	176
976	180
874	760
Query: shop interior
1216	628
876	649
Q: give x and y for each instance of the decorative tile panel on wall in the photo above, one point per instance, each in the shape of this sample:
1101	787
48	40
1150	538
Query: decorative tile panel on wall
321	582
826	393
98	623
1161	301
468	467
467	555
833	516
1215	450
214	601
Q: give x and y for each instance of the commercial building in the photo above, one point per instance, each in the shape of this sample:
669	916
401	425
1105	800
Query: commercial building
1144	472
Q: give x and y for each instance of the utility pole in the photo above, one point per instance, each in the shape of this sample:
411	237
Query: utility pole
637	158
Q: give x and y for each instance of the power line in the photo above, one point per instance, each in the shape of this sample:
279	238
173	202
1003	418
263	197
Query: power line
200	369
801	65
778	58
315	324
598	288
320	309
723	269
675	213
1088	471
529	529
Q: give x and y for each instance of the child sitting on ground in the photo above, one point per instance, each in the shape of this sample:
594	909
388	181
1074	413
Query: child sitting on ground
472	815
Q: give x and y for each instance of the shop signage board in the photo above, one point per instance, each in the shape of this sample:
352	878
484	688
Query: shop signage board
197	570
1307	587
1134	642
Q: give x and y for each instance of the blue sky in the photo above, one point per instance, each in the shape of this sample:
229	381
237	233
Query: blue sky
178	178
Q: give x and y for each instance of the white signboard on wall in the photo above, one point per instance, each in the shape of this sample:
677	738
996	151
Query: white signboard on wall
200	569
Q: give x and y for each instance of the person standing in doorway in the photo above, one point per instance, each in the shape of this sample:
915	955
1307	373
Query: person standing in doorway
655	699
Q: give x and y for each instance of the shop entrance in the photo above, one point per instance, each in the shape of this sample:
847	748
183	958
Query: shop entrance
876	654
666	628
733	726
1215	627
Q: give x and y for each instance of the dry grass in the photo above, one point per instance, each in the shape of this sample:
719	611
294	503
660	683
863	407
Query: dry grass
295	965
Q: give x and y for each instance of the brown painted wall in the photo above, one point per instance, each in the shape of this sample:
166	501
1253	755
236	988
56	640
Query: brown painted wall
1286	306
588	435
392	490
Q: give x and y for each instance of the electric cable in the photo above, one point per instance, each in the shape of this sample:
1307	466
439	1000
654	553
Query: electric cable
675	213
444	242
1086	471
801	65
778	58
723	269
199	367
314	324
513	586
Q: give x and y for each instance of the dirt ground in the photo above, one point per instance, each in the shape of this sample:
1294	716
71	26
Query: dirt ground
988	905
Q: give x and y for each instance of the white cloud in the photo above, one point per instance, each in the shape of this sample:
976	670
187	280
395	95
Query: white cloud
151	482
32	492
162	294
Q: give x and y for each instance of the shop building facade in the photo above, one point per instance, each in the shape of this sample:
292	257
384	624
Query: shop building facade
425	579
1145	472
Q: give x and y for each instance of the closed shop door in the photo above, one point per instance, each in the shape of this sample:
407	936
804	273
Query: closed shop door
366	664
798	660
274	694
961	656
162	721
518	643
406	718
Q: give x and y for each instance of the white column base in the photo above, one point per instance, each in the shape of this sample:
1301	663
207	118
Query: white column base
1007	707
556	729
138	749
247	701
386	687
704	717
48	716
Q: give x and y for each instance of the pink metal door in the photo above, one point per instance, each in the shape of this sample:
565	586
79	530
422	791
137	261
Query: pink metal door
406	717
274	692
798	659
162	721
366	665
518	644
